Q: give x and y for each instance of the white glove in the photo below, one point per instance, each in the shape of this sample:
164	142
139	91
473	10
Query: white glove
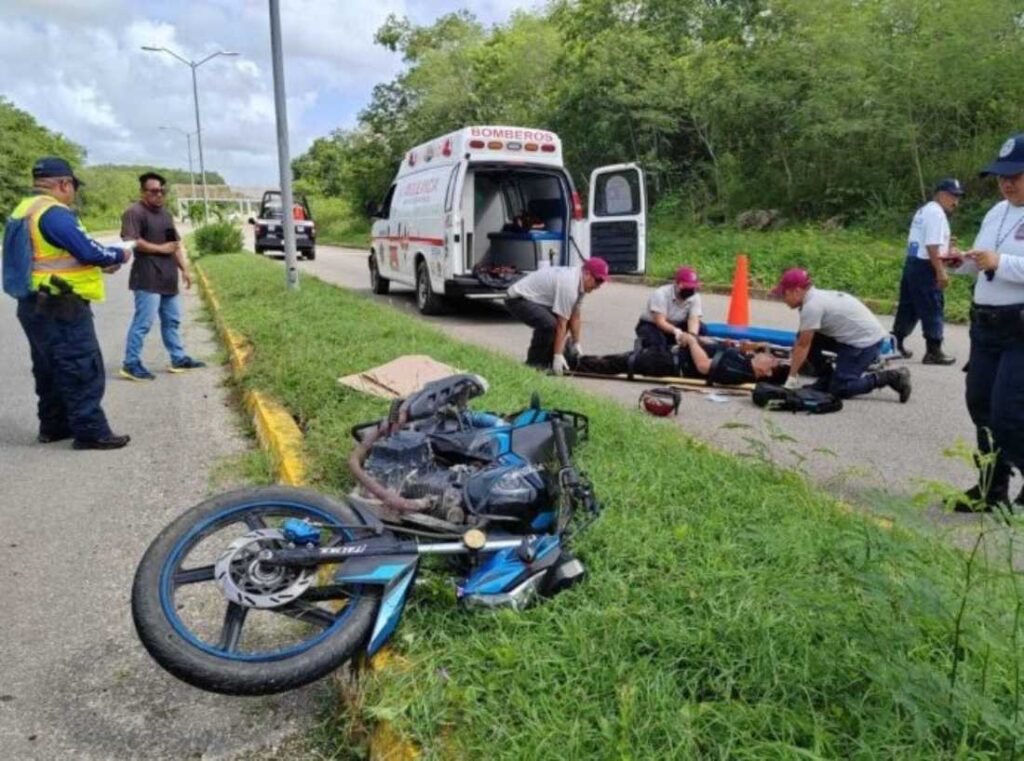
129	245
678	334
792	382
579	350
559	365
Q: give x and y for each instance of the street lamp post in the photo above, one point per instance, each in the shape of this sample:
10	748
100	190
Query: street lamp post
283	158
188	142
195	96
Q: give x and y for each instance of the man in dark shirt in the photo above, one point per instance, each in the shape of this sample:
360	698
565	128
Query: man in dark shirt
154	279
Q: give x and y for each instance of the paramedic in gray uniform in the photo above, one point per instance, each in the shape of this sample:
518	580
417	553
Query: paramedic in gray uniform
995	370
549	300
837	322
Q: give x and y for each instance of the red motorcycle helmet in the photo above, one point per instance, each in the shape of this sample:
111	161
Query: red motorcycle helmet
662	401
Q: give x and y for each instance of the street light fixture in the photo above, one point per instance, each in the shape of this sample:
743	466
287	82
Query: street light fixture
195	96
188	141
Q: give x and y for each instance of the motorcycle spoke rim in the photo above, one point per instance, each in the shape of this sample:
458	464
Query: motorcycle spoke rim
194	601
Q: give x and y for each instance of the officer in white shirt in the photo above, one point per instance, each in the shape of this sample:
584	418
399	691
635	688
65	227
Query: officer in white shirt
995	370
924	274
672	310
548	300
837	322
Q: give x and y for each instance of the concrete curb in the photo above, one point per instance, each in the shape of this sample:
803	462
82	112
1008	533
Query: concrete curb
282	438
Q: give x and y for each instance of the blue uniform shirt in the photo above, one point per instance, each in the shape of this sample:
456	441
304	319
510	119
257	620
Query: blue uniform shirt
60	228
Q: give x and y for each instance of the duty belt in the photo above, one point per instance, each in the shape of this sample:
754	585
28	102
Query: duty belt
1009	317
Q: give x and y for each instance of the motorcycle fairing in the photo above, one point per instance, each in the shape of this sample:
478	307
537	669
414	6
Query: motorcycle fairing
506	568
395	573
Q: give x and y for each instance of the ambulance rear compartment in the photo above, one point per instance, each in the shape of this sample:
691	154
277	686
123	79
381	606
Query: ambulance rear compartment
516	221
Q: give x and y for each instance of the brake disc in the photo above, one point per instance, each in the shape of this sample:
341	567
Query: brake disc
245	580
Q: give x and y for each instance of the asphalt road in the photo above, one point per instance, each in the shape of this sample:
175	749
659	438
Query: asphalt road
875	452
74	680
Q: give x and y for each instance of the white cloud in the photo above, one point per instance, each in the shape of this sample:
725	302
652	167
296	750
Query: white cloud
77	66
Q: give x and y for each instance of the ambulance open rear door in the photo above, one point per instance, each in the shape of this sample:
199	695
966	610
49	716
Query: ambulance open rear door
617	217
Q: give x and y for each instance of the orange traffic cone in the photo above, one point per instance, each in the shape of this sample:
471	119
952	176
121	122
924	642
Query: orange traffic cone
739	302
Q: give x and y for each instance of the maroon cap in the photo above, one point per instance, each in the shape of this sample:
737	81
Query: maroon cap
792	278
597	267
687	276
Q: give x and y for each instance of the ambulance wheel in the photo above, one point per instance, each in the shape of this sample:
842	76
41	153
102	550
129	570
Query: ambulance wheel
379	285
427	301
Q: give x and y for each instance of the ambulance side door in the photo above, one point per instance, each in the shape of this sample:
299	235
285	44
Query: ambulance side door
617	217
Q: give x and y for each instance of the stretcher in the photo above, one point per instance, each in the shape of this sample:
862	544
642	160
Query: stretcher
675	381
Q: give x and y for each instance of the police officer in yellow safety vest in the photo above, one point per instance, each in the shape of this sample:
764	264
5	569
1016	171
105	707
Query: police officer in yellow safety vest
56	272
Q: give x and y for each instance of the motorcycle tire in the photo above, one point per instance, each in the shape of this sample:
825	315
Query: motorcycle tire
224	668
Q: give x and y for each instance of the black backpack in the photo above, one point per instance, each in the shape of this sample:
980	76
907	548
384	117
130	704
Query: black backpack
810	400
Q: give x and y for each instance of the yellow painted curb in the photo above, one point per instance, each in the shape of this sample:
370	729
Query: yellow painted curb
282	438
275	427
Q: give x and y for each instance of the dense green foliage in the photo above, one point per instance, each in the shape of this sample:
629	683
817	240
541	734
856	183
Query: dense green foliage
217	238
853	260
337	224
729	611
24	140
813	107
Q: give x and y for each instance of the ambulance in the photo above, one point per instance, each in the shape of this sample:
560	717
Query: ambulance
472	211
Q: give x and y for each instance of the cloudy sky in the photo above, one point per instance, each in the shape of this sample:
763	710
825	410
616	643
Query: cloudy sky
77	66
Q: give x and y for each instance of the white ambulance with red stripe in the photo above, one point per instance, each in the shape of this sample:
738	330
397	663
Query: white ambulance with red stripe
472	211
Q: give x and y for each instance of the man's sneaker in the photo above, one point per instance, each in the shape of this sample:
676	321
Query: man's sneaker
107	442
184	365
136	372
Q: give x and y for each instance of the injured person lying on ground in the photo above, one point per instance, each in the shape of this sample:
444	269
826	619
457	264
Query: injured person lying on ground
719	363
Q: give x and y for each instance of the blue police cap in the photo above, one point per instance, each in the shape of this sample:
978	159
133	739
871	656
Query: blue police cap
950	185
52	166
1010	160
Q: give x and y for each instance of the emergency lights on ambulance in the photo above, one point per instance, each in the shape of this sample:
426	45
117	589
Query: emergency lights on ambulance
476	143
513	146
548	148
412	158
495	145
531	146
447	149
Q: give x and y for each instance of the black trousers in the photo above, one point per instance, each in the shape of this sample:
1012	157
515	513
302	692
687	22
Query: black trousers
543	321
920	299
653	337
67	367
995	385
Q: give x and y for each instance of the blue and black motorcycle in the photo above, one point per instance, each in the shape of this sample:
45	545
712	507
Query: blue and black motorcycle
262	590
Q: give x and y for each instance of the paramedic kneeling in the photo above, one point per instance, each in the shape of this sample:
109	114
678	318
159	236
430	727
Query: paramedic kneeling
837	322
672	310
995	370
549	301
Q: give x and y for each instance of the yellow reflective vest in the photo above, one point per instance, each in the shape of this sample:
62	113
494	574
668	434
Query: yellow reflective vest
86	280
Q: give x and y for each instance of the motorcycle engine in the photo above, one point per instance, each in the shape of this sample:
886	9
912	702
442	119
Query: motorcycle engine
404	462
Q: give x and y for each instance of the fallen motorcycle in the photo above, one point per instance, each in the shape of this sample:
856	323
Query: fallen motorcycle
263	590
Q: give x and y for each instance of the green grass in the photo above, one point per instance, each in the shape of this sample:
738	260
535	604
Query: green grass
730	611
338	225
862	263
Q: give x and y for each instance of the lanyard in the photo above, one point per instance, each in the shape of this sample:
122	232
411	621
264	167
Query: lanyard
1000	235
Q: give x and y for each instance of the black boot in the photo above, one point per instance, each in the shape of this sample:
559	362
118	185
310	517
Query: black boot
975	500
934	355
902	350
897	380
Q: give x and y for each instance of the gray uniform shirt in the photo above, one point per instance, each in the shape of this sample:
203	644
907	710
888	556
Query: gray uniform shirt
560	289
663	301
842	317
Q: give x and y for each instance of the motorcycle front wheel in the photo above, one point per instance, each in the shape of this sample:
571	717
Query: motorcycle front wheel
212	615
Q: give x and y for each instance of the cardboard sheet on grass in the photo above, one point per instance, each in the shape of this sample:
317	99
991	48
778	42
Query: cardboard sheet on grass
399	377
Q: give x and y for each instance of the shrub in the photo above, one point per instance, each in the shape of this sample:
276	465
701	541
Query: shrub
218	238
